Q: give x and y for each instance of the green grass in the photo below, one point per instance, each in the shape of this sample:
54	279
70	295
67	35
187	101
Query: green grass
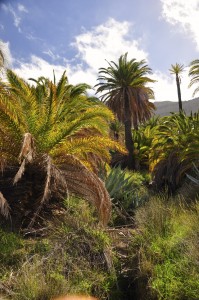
167	245
69	259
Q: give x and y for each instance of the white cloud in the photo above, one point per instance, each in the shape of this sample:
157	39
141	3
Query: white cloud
17	19
5	48
165	88
51	54
22	8
93	47
183	13
37	67
108	42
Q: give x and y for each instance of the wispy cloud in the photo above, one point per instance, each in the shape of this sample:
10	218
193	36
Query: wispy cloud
165	87
22	8
51	54
183	13
104	42
107	42
5	48
16	16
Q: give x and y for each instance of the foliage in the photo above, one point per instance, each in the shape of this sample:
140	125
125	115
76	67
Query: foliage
130	77
176	70
70	258
194	179
143	138
167	247
194	75
55	127
127	191
60	117
125	92
10	245
174	149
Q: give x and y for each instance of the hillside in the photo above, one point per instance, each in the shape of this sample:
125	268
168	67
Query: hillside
165	107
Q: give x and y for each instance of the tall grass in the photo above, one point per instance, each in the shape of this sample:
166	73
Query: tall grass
70	259
167	249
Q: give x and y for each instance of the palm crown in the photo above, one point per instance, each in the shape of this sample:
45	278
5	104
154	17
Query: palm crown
58	125
194	75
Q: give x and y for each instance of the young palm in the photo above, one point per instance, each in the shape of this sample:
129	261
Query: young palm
176	70
174	149
60	127
125	92
194	75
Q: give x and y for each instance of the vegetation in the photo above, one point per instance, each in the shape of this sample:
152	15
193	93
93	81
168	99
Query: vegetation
127	94
167	249
194	74
137	235
177	69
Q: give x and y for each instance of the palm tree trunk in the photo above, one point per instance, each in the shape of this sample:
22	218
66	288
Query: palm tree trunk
128	136
179	93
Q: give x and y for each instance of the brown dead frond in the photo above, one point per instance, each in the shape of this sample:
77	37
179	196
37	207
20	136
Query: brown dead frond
27	154
4	207
86	184
28	148
2	164
20	172
55	183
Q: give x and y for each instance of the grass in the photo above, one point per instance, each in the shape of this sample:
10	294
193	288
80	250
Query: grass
70	259
75	256
167	248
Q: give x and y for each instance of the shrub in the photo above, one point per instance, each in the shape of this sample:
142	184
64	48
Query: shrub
127	190
167	249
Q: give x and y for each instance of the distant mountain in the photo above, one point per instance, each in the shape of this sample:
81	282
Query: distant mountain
164	108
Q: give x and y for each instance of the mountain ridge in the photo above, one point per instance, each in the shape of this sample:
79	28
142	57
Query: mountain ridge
164	108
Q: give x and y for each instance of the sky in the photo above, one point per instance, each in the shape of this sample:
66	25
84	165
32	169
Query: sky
80	36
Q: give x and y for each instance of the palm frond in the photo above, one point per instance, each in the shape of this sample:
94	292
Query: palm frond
4	206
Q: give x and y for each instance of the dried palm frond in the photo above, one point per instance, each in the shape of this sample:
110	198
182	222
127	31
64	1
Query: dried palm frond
4	207
54	183
28	148
27	154
86	184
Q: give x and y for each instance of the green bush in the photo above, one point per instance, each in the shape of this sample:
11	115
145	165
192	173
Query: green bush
168	250
127	190
10	245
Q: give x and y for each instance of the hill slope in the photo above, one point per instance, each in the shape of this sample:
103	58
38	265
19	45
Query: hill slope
164	108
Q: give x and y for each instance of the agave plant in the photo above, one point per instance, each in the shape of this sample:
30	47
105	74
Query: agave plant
55	131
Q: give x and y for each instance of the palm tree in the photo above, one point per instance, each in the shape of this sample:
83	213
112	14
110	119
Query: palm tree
194	74
56	131
174	149
176	70
126	93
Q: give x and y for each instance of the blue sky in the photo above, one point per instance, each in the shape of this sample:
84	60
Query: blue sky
80	35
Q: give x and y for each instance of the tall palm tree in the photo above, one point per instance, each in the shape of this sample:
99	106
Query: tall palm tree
194	74
125	92
176	70
56	130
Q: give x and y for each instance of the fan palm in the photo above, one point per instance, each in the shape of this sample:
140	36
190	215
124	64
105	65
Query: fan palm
177	69
125	92
60	126
194	75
